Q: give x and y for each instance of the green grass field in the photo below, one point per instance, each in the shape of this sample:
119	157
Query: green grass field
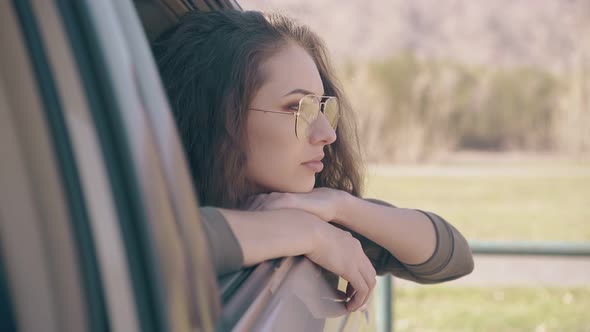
440	308
495	202
523	200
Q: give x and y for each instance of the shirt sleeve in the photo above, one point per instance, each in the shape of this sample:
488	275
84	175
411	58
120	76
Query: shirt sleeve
451	259
224	248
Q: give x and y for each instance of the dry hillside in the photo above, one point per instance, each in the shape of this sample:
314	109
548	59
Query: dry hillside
550	33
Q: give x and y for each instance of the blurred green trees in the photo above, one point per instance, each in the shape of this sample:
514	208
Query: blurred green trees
414	110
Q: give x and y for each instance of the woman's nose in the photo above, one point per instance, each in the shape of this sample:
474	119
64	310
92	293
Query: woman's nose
321	131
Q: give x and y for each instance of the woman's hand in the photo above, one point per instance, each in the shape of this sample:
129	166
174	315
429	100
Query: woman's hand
339	252
322	202
264	235
333	249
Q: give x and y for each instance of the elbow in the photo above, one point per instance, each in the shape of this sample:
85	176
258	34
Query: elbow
460	262
463	268
452	258
463	259
456	273
457	267
468	265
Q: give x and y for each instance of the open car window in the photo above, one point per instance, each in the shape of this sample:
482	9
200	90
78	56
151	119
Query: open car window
288	294
99	221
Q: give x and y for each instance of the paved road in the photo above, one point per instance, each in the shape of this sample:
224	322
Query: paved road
524	270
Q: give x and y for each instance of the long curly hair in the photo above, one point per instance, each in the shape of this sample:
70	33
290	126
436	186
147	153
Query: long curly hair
210	67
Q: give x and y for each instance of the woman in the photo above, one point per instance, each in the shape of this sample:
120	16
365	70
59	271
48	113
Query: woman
274	155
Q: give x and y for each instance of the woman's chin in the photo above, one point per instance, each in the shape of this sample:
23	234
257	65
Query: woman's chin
306	187
295	185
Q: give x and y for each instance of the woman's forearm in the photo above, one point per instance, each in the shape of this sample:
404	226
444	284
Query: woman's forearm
408	234
277	233
265	235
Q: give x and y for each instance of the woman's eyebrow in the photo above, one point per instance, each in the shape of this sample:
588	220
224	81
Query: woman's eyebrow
301	91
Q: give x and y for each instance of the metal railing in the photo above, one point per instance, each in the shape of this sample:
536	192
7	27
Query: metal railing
529	248
384	315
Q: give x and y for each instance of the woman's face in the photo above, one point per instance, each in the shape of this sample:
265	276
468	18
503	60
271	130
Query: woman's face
276	159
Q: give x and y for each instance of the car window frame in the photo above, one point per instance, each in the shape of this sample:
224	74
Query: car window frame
51	273
170	299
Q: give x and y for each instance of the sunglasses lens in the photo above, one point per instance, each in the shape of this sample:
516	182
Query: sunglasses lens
331	111
308	113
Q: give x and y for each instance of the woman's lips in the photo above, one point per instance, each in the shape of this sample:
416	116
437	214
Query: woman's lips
315	165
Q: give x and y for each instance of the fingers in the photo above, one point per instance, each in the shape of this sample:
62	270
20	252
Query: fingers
358	290
369	275
363	284
338	251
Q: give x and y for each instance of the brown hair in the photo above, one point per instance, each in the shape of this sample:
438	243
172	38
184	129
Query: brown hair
209	64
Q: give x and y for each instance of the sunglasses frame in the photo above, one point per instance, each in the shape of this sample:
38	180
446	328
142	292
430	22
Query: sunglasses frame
323	101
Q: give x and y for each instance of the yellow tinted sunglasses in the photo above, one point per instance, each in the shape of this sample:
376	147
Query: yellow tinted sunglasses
308	111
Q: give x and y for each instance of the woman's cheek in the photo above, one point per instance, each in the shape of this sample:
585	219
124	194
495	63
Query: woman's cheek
275	155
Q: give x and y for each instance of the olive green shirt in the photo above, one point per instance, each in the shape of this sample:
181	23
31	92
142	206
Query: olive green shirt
451	258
